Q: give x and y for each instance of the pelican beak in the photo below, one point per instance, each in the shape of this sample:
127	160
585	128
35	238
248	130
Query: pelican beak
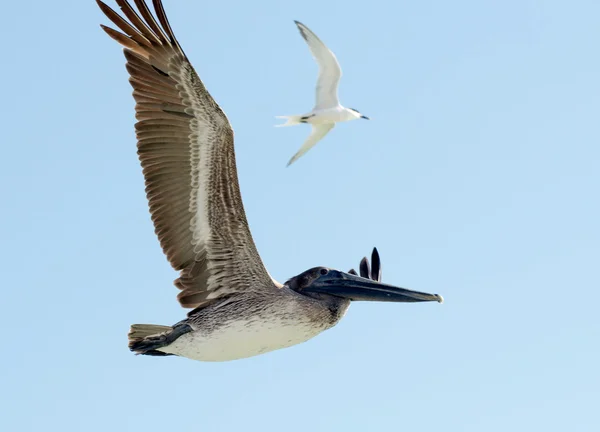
365	117
356	288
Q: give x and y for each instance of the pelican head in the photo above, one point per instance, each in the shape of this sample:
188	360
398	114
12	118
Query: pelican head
358	114
322	281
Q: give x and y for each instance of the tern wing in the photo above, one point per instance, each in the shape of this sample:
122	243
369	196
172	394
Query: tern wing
318	132
329	70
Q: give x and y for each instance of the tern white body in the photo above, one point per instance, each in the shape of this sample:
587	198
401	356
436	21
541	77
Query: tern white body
322	116
333	115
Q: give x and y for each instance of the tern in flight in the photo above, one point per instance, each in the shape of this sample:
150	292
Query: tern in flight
327	110
185	146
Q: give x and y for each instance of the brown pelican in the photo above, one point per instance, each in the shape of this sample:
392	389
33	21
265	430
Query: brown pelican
185	145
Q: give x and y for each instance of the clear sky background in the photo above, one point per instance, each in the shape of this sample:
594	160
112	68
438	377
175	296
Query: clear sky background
477	178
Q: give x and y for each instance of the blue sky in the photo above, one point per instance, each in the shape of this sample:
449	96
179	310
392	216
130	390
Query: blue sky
477	178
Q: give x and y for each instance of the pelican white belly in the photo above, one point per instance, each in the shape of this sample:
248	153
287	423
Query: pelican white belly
241	339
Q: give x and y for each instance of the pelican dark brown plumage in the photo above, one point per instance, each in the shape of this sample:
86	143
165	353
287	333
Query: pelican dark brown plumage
185	146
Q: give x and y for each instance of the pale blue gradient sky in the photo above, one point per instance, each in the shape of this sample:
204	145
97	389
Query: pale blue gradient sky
477	178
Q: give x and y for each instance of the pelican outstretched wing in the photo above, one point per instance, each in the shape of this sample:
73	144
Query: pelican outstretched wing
185	146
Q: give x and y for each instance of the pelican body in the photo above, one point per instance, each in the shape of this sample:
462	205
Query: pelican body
185	146
254	326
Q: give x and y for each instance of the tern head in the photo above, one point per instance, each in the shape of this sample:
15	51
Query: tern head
358	114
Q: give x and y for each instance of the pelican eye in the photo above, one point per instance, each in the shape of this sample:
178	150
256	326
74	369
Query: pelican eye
323	271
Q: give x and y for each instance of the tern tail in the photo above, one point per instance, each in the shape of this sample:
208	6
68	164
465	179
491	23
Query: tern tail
292	120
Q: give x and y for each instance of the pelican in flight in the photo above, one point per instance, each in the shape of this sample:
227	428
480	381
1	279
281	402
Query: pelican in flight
327	110
185	146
